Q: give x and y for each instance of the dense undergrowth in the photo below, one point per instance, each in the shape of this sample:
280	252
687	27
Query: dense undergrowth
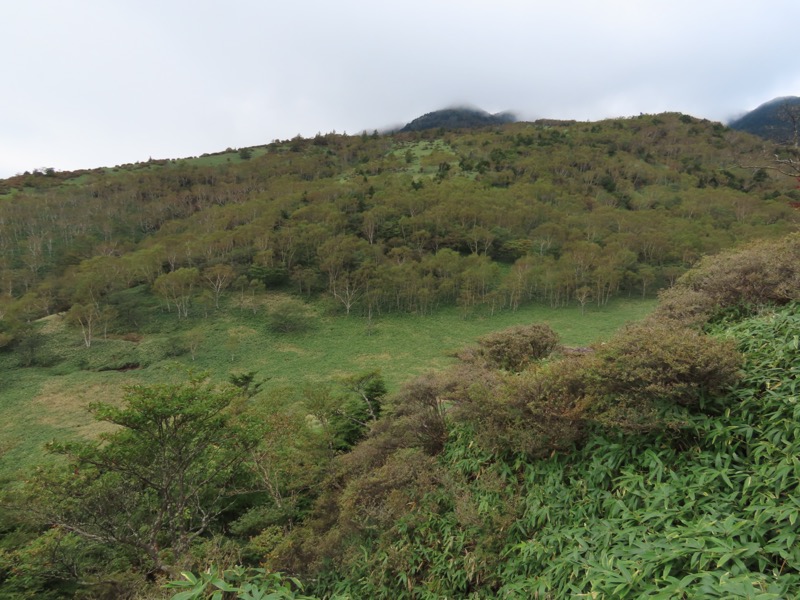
660	464
706	511
698	500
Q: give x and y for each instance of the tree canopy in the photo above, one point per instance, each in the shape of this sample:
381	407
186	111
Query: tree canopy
161	479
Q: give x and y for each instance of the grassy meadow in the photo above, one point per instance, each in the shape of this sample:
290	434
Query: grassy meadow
41	403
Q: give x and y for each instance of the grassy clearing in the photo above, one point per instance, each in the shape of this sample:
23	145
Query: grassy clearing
38	404
401	346
423	157
220	158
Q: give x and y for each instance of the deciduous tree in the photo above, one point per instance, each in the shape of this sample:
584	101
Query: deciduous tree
160	480
176	288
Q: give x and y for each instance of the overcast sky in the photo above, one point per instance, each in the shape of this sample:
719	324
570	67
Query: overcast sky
89	83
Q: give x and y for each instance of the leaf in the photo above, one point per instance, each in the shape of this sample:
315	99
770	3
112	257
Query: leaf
190	577
223	585
190	595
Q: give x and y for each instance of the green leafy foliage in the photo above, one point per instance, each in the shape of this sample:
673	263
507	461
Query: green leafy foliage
245	381
160	480
238	582
704	512
346	417
648	370
289	316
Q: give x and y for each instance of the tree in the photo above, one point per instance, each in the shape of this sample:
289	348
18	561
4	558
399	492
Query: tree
343	258
289	316
88	317
160	480
583	294
218	278
346	418
29	342
369	388
176	288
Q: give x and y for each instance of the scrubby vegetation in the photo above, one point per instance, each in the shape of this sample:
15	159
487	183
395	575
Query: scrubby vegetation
660	464
655	462
631	472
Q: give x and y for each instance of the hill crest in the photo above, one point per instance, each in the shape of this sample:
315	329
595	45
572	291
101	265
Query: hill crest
777	120
458	118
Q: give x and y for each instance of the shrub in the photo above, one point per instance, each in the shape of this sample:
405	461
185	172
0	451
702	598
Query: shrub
649	369
644	379
419	407
736	282
535	413
289	316
380	497
766	272
514	348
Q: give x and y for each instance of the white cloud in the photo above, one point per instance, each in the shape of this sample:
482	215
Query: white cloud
95	83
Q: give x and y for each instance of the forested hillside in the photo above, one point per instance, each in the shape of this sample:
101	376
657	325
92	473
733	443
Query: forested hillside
555	212
153	317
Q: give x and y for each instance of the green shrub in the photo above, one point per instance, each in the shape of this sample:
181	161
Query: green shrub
535	413
289	316
419	408
378	498
645	379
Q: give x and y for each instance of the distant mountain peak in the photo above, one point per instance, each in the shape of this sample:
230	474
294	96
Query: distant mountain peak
460	117
775	120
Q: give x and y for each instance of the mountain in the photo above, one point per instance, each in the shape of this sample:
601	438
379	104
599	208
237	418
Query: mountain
777	120
304	272
458	118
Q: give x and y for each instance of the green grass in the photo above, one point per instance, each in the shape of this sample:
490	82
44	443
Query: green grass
420	150
220	158
38	404
401	346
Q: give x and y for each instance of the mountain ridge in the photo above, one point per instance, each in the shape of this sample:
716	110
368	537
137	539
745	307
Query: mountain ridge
458	117
777	120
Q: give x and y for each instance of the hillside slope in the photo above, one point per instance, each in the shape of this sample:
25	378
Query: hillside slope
777	120
400	223
662	466
674	443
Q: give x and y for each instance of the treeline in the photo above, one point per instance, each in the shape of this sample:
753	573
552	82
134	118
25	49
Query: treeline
487	219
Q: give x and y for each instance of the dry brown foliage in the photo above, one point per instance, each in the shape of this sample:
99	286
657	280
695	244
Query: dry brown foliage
766	272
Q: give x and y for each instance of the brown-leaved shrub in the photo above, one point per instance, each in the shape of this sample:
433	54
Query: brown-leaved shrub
650	368
515	348
535	413
764	273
